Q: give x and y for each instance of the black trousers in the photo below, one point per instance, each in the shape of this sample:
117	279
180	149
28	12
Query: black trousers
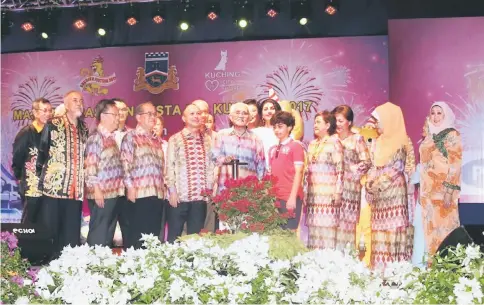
146	215
292	223
102	223
33	211
63	221
123	213
191	212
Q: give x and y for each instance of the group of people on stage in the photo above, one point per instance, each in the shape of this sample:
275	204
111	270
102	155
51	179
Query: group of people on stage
136	178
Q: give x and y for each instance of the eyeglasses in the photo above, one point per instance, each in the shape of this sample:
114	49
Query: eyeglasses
114	114
44	110
150	114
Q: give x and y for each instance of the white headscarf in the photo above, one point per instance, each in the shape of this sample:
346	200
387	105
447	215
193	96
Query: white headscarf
447	122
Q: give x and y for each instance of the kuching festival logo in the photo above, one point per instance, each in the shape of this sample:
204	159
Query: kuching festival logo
95	81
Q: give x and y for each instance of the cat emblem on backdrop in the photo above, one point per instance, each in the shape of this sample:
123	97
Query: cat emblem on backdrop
94	79
157	74
222	64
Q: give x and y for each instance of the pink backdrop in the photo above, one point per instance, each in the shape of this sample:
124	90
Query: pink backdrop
317	73
443	60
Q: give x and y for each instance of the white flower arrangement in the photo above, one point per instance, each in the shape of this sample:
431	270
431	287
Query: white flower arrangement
199	271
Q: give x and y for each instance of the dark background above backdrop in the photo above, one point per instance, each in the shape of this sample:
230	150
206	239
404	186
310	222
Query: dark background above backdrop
353	18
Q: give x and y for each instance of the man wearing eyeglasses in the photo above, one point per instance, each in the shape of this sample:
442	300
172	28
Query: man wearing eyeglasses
238	142
25	151
143	162
104	175
60	165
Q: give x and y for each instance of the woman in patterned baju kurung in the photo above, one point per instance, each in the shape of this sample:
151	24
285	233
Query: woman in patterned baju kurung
441	159
356	163
325	183
392	235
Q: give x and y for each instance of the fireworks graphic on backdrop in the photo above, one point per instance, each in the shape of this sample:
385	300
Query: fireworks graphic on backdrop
297	85
32	90
469	122
297	74
470	111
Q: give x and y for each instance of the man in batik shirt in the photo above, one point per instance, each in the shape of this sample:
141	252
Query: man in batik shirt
189	173
25	151
204	115
60	165
238	142
104	175
143	162
123	206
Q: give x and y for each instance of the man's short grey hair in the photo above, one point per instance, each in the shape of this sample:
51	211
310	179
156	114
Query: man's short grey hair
233	107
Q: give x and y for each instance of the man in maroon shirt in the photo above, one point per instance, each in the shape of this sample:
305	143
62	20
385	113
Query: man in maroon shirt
286	161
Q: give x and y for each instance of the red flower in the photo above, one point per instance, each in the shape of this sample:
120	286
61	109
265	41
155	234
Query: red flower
277	204
203	232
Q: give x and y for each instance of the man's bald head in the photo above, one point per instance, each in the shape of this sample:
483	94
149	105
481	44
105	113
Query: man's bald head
190	108
203	106
192	116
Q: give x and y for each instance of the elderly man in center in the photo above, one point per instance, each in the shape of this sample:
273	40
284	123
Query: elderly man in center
238	142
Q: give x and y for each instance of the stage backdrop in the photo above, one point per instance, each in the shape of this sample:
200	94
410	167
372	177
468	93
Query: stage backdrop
316	74
443	60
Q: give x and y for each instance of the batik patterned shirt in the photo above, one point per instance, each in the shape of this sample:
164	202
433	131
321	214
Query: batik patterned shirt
143	162
247	148
24	159
103	165
189	166
60	161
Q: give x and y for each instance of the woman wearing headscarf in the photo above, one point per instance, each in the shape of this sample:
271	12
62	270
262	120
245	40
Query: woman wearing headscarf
386	188
441	159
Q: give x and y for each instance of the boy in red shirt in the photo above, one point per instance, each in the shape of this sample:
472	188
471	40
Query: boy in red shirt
286	161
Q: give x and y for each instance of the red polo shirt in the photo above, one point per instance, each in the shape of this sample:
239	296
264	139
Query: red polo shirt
282	159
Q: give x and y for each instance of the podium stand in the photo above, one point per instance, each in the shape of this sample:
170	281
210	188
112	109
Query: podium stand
235	167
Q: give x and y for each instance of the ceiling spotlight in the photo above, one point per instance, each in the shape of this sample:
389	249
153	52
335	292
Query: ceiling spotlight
131	21
27	26
184	26
330	10
272	8
157	19
101	32
303	21
132	15
213	10
242	23
212	16
331	7
80	24
44	35
271	13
